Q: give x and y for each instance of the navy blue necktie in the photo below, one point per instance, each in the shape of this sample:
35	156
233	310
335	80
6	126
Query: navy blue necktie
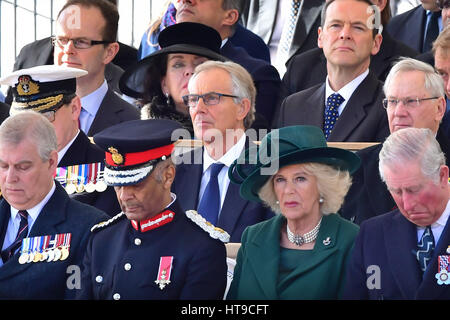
425	249
21	234
432	31
209	206
331	112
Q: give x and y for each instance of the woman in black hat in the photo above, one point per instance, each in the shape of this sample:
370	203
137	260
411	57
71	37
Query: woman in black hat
302	252
160	80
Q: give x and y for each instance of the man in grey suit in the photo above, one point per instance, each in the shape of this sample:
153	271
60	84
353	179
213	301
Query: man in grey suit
86	33
347	42
268	18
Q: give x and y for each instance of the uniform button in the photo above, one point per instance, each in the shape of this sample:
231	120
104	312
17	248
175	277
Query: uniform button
127	267
98	279
116	296
137	241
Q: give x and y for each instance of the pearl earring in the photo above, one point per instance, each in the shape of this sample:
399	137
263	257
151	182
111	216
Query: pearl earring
321	200
167	98
277	202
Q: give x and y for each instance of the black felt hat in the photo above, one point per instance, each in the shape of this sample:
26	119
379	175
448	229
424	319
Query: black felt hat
184	37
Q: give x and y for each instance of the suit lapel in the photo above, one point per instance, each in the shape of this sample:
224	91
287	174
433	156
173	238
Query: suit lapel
264	256
266	13
400	238
188	178
429	289
233	207
316	100
106	113
354	111
52	214
310	10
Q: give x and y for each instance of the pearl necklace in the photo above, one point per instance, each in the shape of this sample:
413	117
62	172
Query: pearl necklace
306	238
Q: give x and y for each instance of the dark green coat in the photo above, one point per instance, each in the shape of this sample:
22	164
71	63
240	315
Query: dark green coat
256	272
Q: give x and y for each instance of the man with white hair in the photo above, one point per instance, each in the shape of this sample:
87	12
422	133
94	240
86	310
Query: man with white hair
414	98
404	254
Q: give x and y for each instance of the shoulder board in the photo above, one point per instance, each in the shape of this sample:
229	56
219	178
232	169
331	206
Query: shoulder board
214	232
106	223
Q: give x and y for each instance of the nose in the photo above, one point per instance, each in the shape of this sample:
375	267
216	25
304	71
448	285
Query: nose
400	109
408	201
124	193
189	71
11	175
69	48
345	32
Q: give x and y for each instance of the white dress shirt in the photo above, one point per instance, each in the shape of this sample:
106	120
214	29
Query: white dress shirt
227	159
346	91
436	227
63	151
90	105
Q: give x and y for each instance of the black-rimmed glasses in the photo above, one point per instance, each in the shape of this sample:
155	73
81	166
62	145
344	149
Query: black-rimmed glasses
79	43
209	99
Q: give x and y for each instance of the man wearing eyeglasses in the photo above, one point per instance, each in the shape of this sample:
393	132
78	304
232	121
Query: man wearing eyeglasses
50	90
415	98
221	103
85	38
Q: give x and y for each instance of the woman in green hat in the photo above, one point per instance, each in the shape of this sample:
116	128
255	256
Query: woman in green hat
302	252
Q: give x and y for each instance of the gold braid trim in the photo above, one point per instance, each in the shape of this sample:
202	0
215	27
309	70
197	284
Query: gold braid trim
47	103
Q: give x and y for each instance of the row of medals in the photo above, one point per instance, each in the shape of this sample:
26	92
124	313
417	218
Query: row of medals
90	187
48	254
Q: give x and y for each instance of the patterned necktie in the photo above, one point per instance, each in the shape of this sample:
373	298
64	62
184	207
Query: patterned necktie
331	112
432	31
209	206
287	35
425	249
21	234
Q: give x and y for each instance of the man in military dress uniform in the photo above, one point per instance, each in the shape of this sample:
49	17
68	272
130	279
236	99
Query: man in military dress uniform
43	233
51	91
153	249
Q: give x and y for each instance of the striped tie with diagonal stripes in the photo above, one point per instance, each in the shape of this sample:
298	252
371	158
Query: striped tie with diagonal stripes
21	234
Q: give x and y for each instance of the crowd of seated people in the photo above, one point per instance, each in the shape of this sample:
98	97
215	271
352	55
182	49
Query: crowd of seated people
268	93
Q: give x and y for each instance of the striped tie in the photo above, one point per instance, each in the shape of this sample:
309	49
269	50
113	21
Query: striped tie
21	234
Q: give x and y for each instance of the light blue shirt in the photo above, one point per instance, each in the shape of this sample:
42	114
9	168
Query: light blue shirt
428	20
90	105
14	221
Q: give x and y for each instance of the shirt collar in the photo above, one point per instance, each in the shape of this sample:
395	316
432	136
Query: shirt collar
347	90
34	212
63	151
442	221
228	158
91	102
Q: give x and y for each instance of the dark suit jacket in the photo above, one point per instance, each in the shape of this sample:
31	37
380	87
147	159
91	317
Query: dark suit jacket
368	196
251	42
265	76
387	241
4	111
113	110
260	15
363	118
82	151
40	52
198	269
47	280
310	68
236	214
409	27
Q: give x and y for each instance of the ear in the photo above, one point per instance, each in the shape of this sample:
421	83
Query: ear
231	17
53	161
441	108
164	87
376	43
110	52
243	109
75	105
443	175
168	177
319	37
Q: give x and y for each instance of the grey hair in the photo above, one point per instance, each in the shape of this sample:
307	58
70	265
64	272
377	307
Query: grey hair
241	82
333	185
434	83
412	144
30	125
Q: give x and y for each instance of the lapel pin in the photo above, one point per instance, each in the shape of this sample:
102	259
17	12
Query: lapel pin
327	241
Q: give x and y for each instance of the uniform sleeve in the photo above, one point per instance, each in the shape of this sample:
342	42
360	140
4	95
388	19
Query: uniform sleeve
85	290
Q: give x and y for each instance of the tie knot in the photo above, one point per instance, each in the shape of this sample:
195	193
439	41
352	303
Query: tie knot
23	214
215	169
335	99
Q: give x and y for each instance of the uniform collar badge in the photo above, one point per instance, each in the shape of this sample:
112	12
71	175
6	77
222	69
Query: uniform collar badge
155	222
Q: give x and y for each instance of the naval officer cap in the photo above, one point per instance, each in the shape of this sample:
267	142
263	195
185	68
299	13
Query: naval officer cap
133	148
42	88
